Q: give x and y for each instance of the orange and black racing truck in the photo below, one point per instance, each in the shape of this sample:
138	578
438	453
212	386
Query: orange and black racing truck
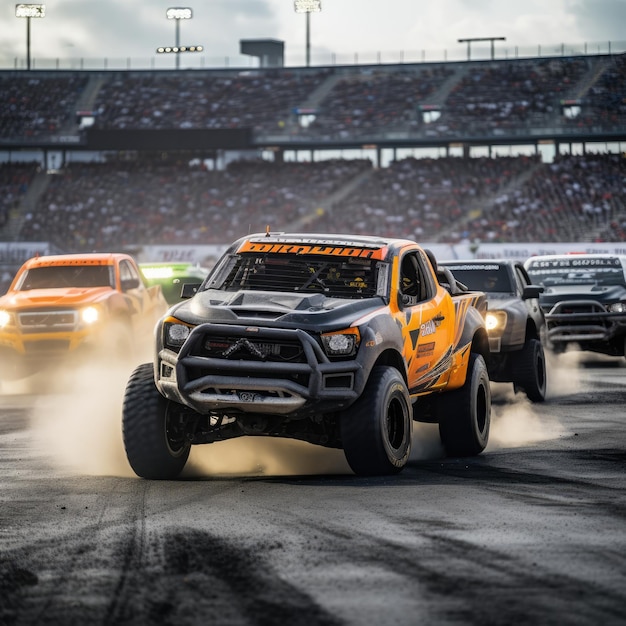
337	340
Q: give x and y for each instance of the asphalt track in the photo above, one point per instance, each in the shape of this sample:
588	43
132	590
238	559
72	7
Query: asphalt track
270	532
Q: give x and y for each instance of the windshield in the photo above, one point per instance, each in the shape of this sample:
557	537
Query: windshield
67	276
488	277
338	278
577	271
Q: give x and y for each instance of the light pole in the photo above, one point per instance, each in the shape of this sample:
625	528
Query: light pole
308	7
491	39
28	11
177	14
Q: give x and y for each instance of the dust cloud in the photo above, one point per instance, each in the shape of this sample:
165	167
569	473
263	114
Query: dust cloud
80	427
515	421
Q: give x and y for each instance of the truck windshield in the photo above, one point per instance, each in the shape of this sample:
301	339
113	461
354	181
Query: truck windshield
577	271
338	278
488	277
61	276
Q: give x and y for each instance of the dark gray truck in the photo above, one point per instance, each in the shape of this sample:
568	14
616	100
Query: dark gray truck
584	301
515	322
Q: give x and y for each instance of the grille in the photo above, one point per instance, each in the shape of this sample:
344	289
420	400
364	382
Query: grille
42	321
234	348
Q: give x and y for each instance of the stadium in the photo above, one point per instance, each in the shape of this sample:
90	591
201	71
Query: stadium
514	156
334	426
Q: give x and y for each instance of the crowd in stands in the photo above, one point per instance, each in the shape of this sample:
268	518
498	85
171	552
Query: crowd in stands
604	104
376	100
203	100
139	200
117	205
419	198
103	205
499	98
15	179
38	104
483	97
575	198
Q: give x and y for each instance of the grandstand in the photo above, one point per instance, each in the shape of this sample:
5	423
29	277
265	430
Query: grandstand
450	153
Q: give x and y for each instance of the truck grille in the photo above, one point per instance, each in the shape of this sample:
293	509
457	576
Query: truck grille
47	321
251	350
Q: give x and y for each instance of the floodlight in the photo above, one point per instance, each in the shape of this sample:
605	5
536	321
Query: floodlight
307	6
30	10
179	13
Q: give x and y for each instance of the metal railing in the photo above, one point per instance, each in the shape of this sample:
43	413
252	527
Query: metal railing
320	59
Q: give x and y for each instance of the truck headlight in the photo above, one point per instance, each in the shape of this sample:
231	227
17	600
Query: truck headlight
176	335
344	343
5	318
495	321
89	315
618	307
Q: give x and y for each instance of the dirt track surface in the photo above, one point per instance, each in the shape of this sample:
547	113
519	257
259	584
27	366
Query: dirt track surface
265	532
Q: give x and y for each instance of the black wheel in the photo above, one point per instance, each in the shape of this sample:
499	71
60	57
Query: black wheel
530	371
465	413
155	442
376	429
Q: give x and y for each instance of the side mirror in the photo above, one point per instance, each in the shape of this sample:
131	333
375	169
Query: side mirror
130	283
532	291
189	290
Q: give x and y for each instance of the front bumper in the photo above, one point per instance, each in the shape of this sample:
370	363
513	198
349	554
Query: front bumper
259	381
583	322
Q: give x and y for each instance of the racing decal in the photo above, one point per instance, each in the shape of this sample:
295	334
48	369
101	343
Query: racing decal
414	335
428	328
334	249
461	307
426	349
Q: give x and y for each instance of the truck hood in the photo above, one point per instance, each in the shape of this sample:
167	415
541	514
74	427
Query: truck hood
70	297
274	309
502	300
606	294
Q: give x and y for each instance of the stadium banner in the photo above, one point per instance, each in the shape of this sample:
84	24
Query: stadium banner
201	255
16	252
207	255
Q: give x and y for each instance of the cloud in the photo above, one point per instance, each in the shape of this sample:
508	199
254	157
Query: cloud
345	31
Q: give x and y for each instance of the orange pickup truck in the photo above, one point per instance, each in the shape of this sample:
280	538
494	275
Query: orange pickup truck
338	340
71	305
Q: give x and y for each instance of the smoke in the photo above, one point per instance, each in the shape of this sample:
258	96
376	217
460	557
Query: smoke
259	456
79	426
516	421
78	423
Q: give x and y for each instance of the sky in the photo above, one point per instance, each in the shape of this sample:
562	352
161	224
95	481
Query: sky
345	31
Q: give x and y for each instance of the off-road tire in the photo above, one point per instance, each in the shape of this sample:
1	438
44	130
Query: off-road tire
376	429
154	447
465	413
530	371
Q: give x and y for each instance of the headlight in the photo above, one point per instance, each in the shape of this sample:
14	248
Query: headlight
89	315
618	307
344	343
156	273
495	321
5	318
176	335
